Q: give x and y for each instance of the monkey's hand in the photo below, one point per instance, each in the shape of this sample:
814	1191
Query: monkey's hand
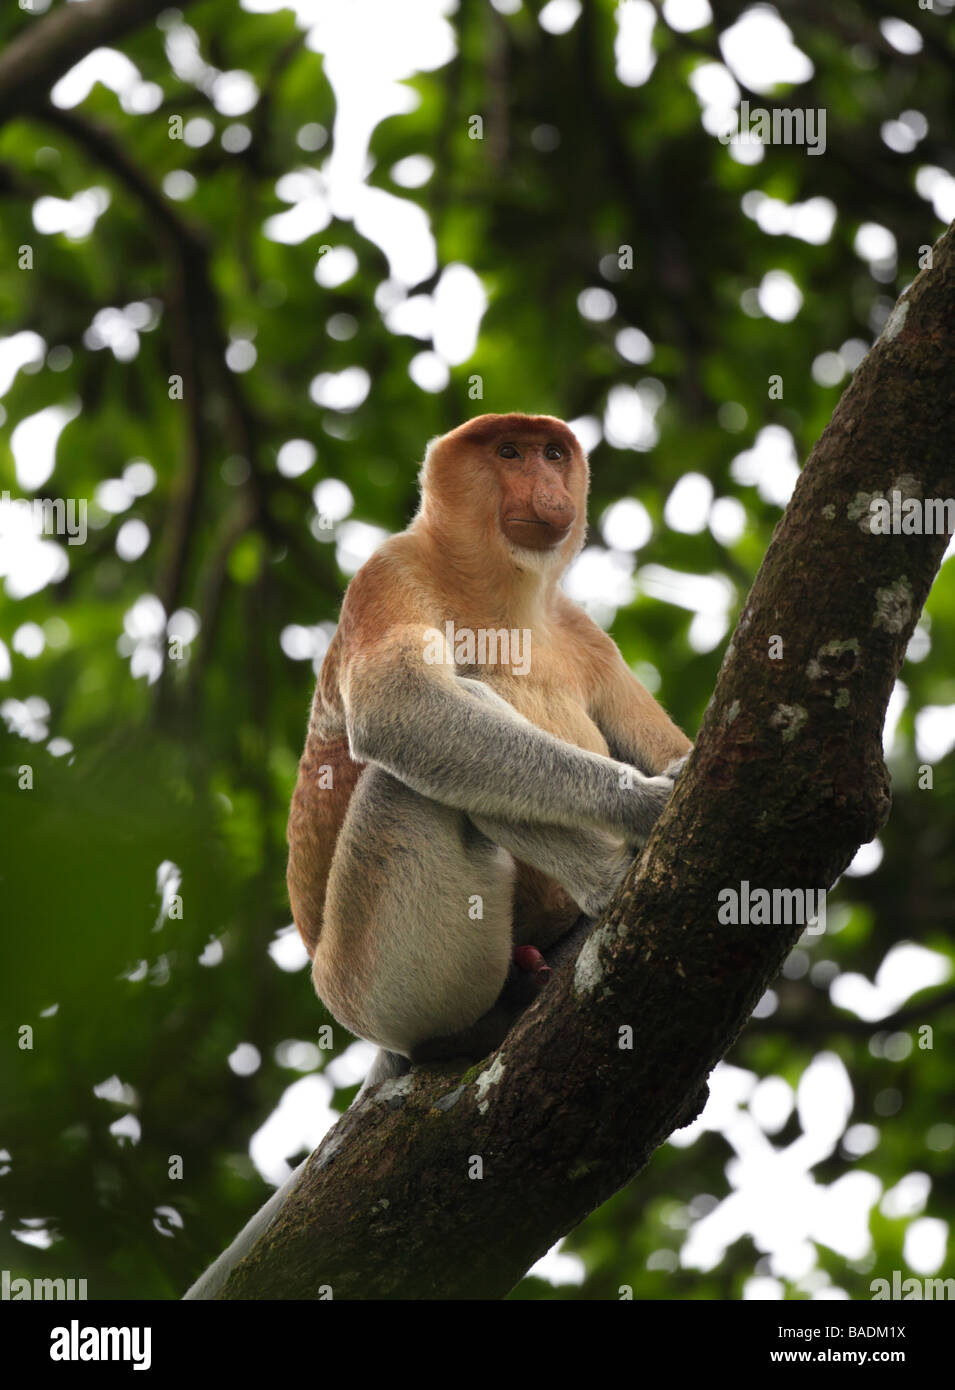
643	806
604	886
674	769
651	794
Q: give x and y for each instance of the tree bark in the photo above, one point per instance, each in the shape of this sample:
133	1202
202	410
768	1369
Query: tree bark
47	48
438	1185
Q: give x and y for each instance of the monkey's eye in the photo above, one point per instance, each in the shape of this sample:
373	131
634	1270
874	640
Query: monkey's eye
552	452
507	451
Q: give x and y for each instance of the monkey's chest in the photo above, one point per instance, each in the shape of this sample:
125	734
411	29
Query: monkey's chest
556	709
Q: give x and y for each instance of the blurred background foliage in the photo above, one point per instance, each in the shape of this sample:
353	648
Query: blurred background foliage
643	279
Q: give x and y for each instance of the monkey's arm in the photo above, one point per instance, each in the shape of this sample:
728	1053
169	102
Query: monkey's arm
637	729
457	742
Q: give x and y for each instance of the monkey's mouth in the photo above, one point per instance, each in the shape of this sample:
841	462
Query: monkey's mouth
534	534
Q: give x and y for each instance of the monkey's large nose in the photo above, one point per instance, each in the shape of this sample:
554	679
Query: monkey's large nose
553	507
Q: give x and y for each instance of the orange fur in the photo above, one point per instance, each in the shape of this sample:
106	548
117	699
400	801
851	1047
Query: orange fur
455	563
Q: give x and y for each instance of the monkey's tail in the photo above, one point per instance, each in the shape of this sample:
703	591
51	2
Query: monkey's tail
387	1066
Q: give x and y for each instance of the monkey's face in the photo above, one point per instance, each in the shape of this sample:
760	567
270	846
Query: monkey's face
516	483
536	478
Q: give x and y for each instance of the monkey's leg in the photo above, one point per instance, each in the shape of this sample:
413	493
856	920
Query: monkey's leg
589	864
416	938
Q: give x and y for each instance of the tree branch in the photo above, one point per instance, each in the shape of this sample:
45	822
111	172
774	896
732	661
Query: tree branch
190	300
46	49
438	1185
199	345
812	1027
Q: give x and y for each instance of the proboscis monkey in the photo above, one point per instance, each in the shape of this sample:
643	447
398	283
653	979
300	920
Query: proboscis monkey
480	761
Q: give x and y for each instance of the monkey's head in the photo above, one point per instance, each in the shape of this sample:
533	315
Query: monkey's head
516	483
